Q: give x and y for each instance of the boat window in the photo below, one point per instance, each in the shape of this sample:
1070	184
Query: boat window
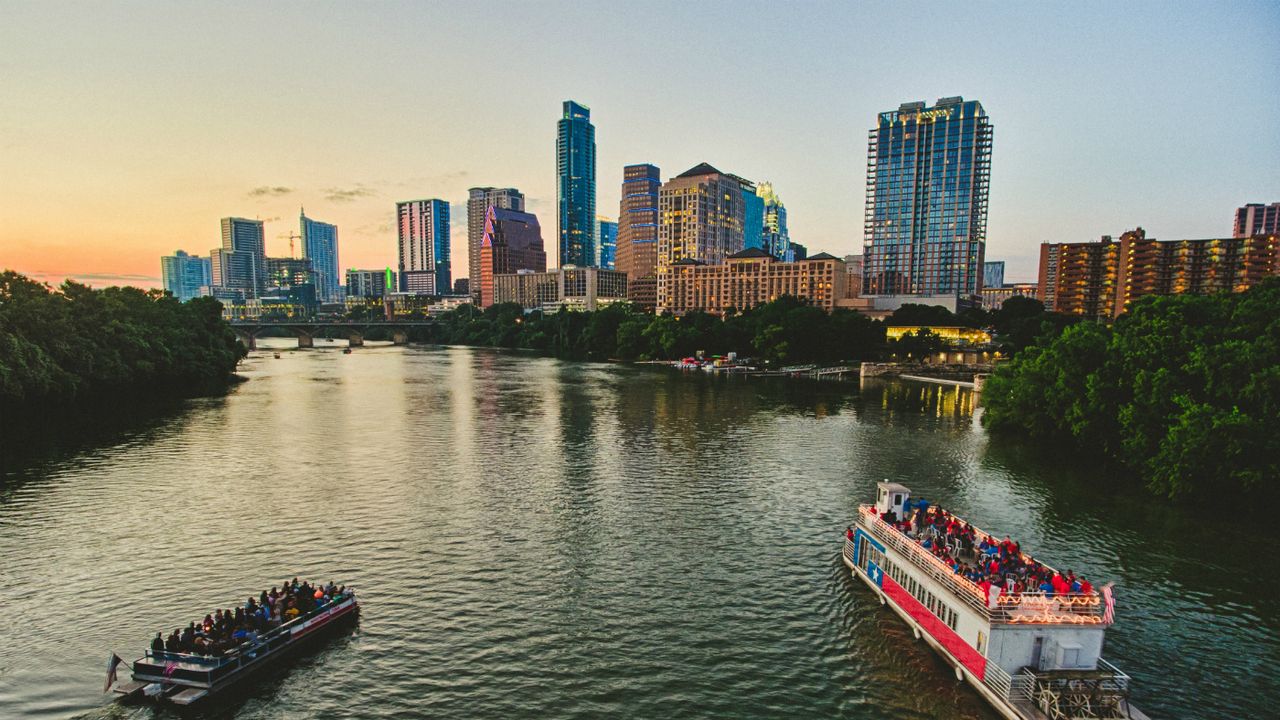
982	643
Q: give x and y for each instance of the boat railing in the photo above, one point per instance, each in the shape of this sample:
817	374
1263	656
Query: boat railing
942	573
1118	676
997	679
237	653
1022	608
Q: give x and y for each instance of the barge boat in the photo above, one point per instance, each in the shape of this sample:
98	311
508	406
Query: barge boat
1033	655
186	678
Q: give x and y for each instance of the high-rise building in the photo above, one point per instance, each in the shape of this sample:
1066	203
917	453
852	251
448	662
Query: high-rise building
184	275
797	251
753	232
749	278
606	243
512	242
1257	219
1101	279
370	283
993	274
928	173
576	185
240	265
701	213
289	272
775	240
479	200
573	288
462	286
638	232
423	229
320	246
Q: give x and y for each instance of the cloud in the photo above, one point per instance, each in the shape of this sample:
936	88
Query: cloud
270	191
97	280
348	194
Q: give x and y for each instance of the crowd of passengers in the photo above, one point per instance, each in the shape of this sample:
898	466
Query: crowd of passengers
983	560
227	629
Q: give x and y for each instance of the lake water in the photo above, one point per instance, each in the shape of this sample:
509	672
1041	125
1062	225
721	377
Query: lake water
541	539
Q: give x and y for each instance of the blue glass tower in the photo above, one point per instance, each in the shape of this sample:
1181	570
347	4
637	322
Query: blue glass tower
184	275
928	175
320	246
576	185
606	243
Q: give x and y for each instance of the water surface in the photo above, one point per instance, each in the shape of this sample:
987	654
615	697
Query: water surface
540	539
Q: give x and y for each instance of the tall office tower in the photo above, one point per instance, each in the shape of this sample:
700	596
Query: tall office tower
928	174
423	229
776	241
576	185
638	232
240	265
1257	219
753	235
320	246
993	274
479	200
606	243
701	213
512	243
185	274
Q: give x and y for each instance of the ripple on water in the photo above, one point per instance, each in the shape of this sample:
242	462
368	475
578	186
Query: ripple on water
538	539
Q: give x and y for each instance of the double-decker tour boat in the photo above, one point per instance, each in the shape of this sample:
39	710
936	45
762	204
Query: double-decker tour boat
183	678
1026	637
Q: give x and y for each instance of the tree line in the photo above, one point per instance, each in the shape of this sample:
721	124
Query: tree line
74	345
1182	390
782	332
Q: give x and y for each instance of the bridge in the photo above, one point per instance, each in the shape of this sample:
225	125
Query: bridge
247	331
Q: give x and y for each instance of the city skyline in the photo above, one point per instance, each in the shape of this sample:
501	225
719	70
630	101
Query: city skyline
1090	137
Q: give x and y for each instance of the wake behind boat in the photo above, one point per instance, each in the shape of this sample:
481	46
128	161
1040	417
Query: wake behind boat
228	646
1028	638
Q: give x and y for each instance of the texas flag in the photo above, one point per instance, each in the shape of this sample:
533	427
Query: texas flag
929	623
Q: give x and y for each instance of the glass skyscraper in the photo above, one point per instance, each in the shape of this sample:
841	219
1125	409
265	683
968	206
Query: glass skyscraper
240	265
776	240
185	274
422	227
606	242
320	246
576	185
928	175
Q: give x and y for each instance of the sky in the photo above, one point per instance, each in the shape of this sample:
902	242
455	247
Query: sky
128	129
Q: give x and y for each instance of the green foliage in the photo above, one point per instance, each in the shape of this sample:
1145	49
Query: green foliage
784	331
76	343
1183	389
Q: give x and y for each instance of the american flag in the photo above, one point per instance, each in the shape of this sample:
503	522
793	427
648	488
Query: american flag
169	667
111	671
1109	601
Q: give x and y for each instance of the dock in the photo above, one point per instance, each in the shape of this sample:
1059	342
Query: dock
940	381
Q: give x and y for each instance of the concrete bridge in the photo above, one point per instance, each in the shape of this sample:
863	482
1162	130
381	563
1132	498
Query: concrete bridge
247	331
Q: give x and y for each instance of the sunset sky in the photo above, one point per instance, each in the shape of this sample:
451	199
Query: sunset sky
128	129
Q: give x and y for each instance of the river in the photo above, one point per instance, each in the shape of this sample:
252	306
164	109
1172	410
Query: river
534	538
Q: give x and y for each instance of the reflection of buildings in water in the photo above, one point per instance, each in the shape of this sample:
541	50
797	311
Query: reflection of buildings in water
942	401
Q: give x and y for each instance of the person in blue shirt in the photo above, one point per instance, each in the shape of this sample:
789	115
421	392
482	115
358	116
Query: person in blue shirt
1046	587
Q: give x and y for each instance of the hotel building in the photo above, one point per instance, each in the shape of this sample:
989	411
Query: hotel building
928	173
700	221
749	278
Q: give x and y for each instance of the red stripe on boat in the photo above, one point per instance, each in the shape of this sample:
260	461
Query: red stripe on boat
940	631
